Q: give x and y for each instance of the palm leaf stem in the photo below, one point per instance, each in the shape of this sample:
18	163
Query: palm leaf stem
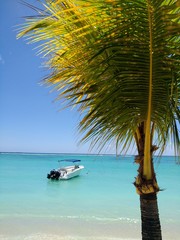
147	171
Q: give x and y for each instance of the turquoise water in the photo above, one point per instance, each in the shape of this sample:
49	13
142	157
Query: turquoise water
99	204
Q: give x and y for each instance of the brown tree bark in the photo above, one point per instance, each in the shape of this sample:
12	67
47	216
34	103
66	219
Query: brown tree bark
151	228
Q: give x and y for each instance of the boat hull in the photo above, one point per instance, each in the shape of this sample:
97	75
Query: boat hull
65	173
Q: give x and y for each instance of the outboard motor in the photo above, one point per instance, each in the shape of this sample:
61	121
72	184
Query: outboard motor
53	174
57	175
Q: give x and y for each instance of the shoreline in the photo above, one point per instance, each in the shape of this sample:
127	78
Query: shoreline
67	226
39	228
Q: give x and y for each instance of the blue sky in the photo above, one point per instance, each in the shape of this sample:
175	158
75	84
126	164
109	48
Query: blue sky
30	121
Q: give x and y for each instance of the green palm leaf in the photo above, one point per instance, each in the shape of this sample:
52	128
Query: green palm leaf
119	60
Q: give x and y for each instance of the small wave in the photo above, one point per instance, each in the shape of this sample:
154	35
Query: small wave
121	219
80	217
57	237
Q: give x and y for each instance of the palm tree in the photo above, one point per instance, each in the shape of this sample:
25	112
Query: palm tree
118	60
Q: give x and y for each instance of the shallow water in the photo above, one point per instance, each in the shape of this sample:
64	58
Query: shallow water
99	204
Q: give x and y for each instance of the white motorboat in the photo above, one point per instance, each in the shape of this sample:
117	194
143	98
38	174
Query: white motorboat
66	172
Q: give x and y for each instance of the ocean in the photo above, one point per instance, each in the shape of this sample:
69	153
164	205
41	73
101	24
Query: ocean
100	204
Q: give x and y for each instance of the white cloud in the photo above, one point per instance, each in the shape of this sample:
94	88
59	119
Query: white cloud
1	60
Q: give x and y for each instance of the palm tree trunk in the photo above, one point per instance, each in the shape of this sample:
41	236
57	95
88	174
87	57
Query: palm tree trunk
151	228
147	189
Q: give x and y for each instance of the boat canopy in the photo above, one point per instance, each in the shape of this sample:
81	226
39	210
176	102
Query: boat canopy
70	160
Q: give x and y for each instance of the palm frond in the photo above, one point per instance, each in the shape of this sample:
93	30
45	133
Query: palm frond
99	54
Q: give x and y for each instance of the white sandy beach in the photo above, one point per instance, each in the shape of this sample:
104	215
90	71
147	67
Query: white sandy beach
73	229
70	229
